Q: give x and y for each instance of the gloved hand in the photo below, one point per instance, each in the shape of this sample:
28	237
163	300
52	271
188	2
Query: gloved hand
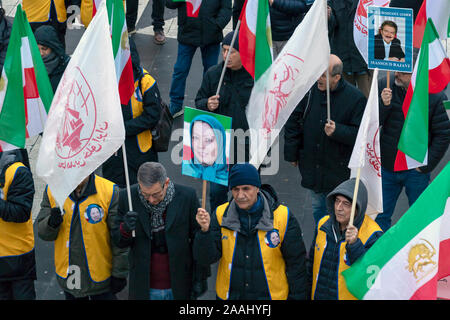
55	218
199	287
117	284
129	221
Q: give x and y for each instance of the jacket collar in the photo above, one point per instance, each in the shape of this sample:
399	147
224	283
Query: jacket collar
231	217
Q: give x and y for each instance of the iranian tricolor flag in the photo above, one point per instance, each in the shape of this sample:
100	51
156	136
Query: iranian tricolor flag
121	49
431	75
192	7
255	37
407	261
96	5
25	90
439	12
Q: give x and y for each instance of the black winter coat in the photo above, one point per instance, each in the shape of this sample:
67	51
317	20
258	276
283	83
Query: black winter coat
285	16
5	32
392	120
205	29
18	209
180	229
394	51
247	263
323	160
341	31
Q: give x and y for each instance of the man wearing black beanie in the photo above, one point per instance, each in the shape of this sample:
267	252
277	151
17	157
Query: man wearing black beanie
256	240
231	101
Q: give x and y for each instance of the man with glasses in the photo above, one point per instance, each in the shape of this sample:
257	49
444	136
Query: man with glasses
164	225
322	147
337	244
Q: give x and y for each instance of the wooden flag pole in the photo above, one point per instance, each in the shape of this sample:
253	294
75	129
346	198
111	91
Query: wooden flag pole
355	197
127	181
388	80
236	32
205	183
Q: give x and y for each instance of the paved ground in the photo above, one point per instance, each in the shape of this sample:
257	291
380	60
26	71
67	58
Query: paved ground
159	61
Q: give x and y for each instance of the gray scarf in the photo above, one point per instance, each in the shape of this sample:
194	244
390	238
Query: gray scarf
51	61
156	211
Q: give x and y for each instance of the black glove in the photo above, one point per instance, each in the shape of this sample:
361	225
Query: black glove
55	218
199	287
129	221
117	284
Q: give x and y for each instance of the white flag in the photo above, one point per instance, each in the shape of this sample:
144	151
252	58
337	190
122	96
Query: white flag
366	152
360	29
278	91
85	125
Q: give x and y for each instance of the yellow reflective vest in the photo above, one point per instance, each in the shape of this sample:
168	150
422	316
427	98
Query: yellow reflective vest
272	258
367	229
93	213
144	139
15	238
87	11
39	10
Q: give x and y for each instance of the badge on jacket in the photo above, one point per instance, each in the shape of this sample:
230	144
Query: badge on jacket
272	238
94	213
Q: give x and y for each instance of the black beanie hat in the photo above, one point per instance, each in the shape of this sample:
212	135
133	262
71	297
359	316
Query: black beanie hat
242	174
228	38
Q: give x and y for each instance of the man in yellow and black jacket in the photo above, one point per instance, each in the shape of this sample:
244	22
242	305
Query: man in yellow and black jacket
257	241
140	116
17	255
87	264
48	12
337	245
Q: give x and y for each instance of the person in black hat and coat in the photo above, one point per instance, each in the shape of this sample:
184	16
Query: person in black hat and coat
257	241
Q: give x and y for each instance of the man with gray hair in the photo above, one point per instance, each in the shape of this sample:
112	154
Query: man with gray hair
164	225
322	147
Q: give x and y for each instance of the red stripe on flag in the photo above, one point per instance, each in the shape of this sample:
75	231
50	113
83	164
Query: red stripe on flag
30	89
190	9
439	77
429	290
247	43
419	25
126	83
400	159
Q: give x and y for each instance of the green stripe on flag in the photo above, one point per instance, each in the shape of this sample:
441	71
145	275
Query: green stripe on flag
447	104
263	45
427	208
12	116
414	137
116	13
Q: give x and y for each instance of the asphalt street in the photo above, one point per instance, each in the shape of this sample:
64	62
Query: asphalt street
159	61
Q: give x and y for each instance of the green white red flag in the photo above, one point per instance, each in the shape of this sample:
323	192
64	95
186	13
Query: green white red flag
255	37
431	75
439	12
25	90
412	256
121	49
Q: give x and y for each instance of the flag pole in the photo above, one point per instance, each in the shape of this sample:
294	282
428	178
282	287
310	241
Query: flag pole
328	94
236	31
127	181
388	80
355	197
204	194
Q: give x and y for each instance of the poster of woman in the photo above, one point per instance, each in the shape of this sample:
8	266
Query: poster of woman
206	146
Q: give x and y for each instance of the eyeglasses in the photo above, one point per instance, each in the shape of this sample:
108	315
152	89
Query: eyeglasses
156	195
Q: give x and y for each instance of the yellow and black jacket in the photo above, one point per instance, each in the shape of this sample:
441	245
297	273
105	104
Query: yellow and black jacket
84	237
261	254
39	10
17	257
140	116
